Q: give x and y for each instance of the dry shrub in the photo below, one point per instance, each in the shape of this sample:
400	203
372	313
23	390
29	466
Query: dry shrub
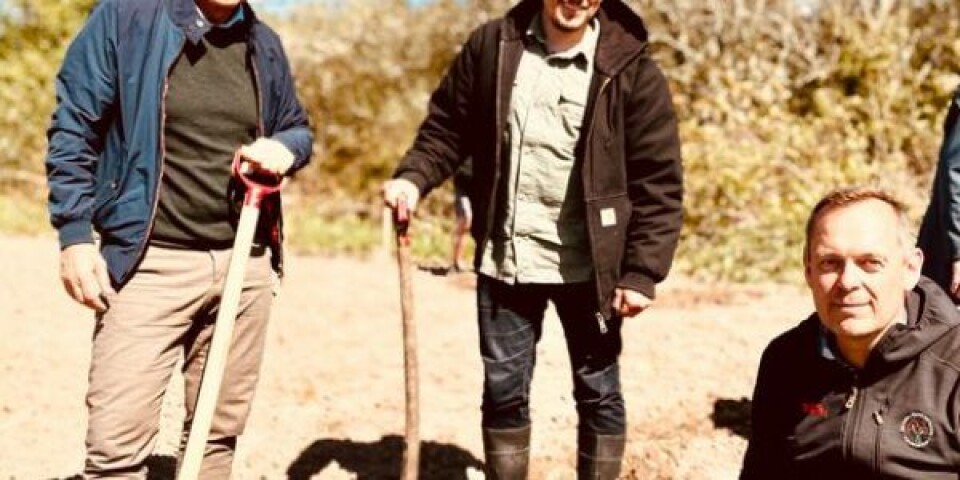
777	108
33	35
366	70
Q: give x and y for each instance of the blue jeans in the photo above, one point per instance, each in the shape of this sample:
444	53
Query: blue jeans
511	323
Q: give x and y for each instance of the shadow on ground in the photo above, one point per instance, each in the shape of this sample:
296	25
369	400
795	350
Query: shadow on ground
438	270
159	467
734	415
382	459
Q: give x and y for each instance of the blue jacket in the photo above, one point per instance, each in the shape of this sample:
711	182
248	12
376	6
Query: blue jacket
105	156
939	236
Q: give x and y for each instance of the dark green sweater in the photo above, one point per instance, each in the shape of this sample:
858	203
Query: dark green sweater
211	109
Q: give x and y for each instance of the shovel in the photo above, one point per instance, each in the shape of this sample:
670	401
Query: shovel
226	318
411	455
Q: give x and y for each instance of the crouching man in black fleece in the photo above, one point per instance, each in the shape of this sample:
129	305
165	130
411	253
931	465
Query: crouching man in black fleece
867	387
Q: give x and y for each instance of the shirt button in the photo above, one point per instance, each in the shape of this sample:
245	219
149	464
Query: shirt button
199	22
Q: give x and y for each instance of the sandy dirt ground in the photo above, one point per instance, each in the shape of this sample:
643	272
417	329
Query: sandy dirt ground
330	403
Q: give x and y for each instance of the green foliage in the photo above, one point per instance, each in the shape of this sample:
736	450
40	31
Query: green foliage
366	70
33	36
22	214
777	109
311	229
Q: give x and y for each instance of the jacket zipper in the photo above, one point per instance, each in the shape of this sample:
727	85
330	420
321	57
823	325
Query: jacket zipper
491	208
852	398
878	418
601	323
261	131
852	422
601	319
256	87
162	153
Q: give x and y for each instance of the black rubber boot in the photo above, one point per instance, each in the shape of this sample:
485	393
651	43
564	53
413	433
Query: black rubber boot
599	456
508	453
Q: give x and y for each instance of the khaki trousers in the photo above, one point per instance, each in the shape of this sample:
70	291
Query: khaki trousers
166	311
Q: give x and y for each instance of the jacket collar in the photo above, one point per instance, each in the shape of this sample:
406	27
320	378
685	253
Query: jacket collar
623	35
192	23
930	316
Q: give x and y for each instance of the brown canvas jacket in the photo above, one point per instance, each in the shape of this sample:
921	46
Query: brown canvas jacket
628	155
898	417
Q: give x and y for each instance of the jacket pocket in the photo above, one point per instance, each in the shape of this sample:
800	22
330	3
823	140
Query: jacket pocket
608	219
106	193
571	113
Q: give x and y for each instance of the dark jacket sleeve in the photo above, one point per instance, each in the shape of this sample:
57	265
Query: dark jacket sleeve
293	124
765	457
439	148
654	180
950	160
939	235
86	87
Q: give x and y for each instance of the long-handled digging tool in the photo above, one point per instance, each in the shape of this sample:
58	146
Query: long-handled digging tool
411	455
216	360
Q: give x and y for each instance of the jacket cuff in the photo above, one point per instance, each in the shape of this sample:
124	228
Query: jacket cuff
77	231
416	178
299	143
639	282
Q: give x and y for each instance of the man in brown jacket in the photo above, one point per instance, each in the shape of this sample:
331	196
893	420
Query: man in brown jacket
577	187
867	387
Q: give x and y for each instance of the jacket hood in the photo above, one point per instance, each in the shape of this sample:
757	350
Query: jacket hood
623	35
930	315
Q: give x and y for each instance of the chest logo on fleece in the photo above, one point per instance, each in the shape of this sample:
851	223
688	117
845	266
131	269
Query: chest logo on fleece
917	429
814	409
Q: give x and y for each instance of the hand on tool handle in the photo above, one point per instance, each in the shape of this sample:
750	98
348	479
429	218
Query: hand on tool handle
393	190
260	182
267	155
401	221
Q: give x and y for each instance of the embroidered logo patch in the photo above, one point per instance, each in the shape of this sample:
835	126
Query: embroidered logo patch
917	429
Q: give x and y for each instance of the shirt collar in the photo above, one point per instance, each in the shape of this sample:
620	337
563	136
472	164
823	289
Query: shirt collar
237	17
195	25
827	345
827	348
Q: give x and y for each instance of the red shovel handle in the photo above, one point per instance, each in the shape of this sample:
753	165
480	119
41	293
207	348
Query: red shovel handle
259	184
401	218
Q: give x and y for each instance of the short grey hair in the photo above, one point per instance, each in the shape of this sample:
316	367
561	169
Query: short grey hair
851	195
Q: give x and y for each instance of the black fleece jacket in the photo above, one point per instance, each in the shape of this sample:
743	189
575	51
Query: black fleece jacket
897	417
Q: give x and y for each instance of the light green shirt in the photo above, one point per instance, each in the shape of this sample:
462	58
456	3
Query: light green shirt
540	234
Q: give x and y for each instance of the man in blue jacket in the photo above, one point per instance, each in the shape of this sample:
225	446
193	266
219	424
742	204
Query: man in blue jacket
939	236
153	99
